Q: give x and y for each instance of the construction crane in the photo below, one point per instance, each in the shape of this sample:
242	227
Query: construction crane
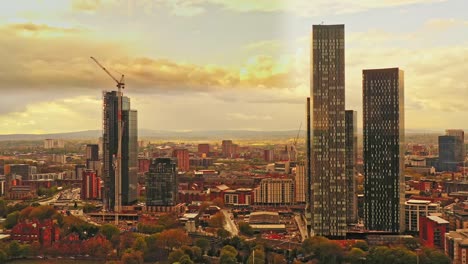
117	159
294	144
120	84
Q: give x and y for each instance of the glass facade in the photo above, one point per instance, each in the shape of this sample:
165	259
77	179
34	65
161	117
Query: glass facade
110	146
351	158
161	183
384	185
329	201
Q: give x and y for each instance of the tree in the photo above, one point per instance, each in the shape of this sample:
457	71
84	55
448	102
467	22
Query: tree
432	256
3	256
175	255
14	249
246	229
223	233
3	208
218	202
89	207
173	238
109	231
132	257
228	255
11	220
355	256
202	243
324	250
140	244
381	254
217	220
257	256
362	245
185	259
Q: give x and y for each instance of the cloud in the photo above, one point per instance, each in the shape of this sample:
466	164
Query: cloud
299	7
242	116
39	28
85	5
41	61
442	24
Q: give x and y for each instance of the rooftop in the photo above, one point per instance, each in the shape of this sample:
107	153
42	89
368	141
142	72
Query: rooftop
437	219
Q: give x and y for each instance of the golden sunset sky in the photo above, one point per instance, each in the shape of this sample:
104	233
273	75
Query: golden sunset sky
215	65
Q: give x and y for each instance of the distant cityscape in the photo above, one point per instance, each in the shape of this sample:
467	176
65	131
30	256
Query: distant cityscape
315	195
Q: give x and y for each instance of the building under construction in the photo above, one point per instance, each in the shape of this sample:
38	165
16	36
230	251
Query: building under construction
129	159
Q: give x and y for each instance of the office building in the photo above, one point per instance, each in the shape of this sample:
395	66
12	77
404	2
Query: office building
275	191
23	170
129	159
432	231
329	201
300	183
183	160
161	183
414	209
90	185
54	143
268	155
384	185
79	169
451	150
92	152
204	149
351	159
227	148
456	245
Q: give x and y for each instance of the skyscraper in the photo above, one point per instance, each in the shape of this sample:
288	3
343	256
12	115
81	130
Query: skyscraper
451	153
183	159
227	148
384	185
110	142
92	152
329	201
161	183
351	158
460	146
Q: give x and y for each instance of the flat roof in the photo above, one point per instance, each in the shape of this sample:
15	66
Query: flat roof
437	219
264	213
269	226
413	201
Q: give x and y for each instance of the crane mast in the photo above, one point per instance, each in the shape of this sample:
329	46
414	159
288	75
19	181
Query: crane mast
118	158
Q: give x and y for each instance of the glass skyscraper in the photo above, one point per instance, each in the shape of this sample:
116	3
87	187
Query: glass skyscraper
129	149
384	185
161	183
328	195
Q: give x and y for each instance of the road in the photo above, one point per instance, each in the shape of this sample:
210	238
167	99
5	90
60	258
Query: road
302	226
229	225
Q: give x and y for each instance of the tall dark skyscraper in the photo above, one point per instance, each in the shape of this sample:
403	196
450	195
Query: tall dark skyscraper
92	152
129	150
384	185
161	183
451	150
351	158
329	201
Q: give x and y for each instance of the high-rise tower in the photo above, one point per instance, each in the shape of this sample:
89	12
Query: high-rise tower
351	159
129	159
329	201
384	185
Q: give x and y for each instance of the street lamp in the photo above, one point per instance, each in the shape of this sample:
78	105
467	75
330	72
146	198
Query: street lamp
418	250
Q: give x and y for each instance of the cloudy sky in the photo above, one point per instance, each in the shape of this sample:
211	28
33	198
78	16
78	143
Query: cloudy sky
221	64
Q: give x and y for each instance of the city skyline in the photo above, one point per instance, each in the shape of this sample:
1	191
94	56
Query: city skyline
50	85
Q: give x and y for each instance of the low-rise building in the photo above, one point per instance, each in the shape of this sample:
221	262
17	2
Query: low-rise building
45	232
275	191
432	231
456	246
415	209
